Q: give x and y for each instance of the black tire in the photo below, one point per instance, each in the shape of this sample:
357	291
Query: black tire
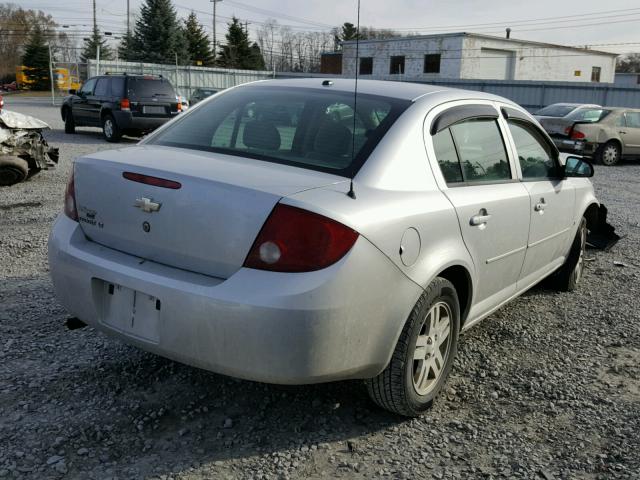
110	129
12	170
69	122
609	154
395	388
569	275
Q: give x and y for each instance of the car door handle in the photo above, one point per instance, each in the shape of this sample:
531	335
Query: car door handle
622	133
481	219
539	207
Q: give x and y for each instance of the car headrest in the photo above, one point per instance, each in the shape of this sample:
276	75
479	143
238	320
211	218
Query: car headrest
332	139
261	136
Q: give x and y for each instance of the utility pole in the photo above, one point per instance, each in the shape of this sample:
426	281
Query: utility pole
214	27
95	23
128	24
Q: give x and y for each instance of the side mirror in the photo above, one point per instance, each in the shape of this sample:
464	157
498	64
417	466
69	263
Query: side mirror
72	91
578	167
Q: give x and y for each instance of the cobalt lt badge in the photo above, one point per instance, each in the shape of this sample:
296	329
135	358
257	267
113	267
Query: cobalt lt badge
146	226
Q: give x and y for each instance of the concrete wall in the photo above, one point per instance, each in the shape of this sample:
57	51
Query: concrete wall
413	51
532	62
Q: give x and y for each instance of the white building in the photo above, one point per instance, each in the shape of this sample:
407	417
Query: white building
475	56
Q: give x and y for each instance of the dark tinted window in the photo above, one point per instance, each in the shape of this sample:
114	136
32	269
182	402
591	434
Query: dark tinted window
535	155
555	110
366	66
447	156
117	86
87	87
432	63
307	128
481	150
396	65
102	87
140	87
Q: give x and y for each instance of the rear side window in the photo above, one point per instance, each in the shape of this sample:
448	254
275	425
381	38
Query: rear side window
150	87
633	119
307	128
472	151
102	87
535	155
117	86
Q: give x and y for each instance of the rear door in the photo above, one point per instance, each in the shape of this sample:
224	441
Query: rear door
631	133
491	204
552	201
101	95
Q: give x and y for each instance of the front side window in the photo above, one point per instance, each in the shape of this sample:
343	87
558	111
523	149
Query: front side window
87	88
481	150
396	65
535	155
306	128
102	87
633	119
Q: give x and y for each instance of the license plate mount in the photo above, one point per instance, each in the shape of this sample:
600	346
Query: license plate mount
153	110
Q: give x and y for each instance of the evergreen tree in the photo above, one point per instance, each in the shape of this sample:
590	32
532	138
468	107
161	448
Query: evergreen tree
238	53
90	49
158	36
126	48
348	32
197	41
36	59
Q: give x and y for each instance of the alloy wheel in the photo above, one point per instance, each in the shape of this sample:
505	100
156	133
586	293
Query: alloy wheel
579	269
432	348
108	128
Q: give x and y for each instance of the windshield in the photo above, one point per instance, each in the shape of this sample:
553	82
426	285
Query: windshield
150	87
591	115
555	110
307	128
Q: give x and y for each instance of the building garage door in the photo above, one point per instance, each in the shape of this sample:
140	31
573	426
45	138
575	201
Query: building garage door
496	64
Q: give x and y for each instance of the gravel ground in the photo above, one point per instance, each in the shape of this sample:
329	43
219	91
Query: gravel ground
546	388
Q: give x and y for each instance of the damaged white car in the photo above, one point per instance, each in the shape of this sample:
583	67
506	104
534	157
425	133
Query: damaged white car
23	149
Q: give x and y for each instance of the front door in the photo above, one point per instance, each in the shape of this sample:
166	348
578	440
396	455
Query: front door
81	102
552	201
631	133
491	204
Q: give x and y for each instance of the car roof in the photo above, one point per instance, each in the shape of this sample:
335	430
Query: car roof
400	90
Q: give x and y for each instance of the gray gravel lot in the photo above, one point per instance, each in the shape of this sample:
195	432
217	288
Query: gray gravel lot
546	388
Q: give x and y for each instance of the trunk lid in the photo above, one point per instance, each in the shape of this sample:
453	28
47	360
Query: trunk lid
207	225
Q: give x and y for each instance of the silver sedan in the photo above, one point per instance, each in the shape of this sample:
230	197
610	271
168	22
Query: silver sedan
283	232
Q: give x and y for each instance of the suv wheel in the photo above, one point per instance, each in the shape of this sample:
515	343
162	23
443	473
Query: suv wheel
609	154
424	353
69	122
110	128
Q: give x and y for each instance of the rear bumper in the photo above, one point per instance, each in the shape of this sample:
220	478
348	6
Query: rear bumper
338	323
128	121
579	147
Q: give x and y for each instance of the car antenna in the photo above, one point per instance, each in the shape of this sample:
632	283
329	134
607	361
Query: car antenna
351	193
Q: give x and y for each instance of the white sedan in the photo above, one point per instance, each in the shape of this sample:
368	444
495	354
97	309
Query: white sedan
282	232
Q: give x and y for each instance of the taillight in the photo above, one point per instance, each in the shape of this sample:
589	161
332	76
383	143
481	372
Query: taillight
567	131
124	104
577	135
179	104
296	240
70	199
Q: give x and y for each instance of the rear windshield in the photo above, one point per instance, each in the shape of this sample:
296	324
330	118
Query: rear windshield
302	127
150	87
591	115
555	110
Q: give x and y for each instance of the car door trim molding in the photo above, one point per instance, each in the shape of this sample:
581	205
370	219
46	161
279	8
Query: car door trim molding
554	235
505	255
457	114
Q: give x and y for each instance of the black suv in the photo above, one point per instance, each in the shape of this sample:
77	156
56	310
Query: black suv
121	105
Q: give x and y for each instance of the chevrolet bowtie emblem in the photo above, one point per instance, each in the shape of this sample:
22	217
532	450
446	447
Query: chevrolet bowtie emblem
147	205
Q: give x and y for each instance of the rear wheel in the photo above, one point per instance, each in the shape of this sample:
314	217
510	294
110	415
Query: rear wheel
12	170
570	274
424	353
609	154
110	128
69	122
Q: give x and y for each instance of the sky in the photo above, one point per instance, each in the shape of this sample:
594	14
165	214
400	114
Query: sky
612	26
